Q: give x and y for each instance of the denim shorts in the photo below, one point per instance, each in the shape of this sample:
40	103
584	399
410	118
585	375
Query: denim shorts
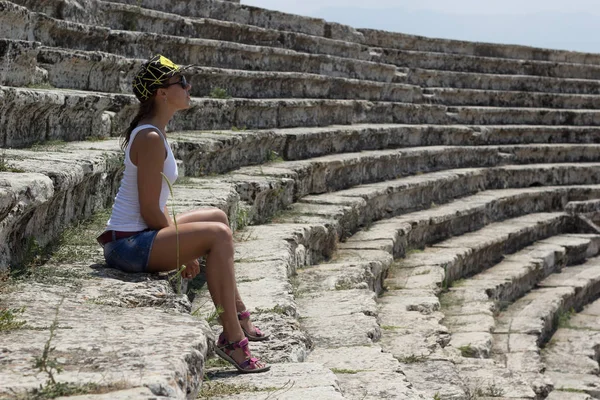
130	254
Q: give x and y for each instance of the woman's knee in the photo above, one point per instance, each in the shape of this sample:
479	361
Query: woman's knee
220	216
222	233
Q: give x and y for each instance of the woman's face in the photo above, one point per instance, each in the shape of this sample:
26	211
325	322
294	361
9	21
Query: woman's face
177	93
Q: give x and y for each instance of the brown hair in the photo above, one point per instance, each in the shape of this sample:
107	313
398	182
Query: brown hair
145	108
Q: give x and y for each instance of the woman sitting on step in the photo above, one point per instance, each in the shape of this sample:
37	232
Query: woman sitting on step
141	237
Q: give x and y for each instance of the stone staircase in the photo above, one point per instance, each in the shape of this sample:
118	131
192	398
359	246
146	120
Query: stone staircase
399	206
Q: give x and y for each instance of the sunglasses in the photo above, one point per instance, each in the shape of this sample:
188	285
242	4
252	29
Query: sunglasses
183	82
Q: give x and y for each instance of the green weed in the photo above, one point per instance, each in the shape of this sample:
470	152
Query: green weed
8	319
274	157
413	358
220	389
563	318
41	85
468	351
346	371
219	93
6	166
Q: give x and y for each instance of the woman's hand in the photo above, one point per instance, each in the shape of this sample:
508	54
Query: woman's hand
192	269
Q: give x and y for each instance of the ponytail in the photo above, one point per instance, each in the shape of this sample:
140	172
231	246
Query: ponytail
146	108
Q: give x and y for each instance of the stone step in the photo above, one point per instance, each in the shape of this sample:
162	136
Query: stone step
254	251
376	201
129	17
218	10
222	151
52	187
470	305
341	276
308	300
568	395
344	333
284	381
100	313
278	21
268	188
19	23
75	115
266	258
522	116
414	332
17	63
485	65
118	72
533	318
489	98
571	355
493	81
404	41
260	264
341	171
100	343
359	69
475	251
366	373
409	232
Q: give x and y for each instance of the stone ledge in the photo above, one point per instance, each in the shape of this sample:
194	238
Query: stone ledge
222	151
60	33
102	344
117	73
58	188
513	99
244	14
505	282
522	116
275	20
494	81
85	114
119	16
486	65
412	42
264	198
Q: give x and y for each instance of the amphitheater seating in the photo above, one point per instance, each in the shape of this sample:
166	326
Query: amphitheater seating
407	210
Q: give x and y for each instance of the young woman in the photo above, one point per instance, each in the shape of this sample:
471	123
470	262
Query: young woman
141	237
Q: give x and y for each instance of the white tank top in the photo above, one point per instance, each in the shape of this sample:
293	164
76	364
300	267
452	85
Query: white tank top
126	214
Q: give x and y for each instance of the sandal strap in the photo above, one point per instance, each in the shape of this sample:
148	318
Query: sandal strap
231	346
251	362
244	315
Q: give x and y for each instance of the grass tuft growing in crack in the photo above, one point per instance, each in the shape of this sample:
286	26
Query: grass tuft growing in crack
347	371
564	317
44	363
412	359
220	389
468	351
219	93
8	319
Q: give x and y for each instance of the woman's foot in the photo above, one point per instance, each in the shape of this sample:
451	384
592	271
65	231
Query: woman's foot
252	333
238	354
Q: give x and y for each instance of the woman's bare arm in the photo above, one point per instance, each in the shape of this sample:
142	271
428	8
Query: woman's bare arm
150	156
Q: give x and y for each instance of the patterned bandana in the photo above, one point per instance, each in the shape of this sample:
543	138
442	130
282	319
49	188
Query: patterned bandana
153	74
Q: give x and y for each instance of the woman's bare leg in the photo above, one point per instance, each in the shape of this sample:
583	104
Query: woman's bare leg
216	215
195	240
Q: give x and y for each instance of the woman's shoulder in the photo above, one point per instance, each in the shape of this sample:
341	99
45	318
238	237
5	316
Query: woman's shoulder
146	133
149	143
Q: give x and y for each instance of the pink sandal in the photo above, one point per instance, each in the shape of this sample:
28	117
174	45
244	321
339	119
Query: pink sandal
225	350
255	336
